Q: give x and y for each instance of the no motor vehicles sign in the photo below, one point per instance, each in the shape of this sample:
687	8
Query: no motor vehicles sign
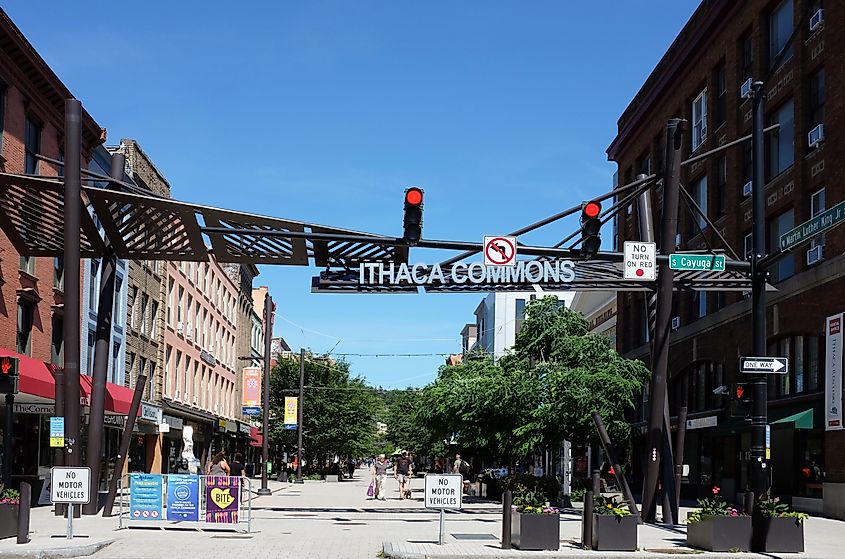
443	491
70	485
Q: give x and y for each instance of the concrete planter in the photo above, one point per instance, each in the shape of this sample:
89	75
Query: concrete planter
783	535
614	534
8	521
721	533
535	531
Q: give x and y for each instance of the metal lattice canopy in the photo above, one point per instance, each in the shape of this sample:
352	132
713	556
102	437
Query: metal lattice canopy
147	227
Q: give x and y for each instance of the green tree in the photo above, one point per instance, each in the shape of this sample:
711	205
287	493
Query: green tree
339	411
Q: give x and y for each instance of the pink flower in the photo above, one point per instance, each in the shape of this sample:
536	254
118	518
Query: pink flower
715	489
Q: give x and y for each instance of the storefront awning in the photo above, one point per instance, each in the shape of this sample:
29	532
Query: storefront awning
256	436
802	420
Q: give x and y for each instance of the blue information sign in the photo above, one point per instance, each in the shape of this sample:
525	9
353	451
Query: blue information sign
145	497
57	432
251	410
183	497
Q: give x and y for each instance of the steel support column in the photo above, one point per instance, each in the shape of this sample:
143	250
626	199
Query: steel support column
265	440
102	346
125	439
660	354
72	316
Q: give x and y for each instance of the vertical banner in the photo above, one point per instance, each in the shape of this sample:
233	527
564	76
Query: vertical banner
833	373
145	497
222	499
291	403
251	391
183	497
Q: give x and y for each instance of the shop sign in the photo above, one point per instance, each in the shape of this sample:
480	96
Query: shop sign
833	370
115	420
208	358
145	497
291	403
183	497
174	422
43	409
243	428
230	426
222	499
221	424
150	413
702	422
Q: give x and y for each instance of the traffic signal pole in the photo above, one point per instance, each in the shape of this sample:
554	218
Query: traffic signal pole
759	275
660	352
72	217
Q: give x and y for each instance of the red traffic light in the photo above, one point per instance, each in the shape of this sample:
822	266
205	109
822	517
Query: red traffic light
591	209
413	196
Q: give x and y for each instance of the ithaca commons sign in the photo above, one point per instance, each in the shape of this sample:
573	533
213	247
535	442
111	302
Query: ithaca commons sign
532	271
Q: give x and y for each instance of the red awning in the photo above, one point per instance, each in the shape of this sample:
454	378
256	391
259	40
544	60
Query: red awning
37	378
256	436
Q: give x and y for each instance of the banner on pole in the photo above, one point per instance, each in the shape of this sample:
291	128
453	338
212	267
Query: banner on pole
833	376
222	499
291	403
145	497
251	387
183	497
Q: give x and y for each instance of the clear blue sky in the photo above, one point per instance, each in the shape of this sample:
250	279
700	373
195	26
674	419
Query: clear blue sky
324	111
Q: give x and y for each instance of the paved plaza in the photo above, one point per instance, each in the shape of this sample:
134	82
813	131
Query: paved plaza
323	520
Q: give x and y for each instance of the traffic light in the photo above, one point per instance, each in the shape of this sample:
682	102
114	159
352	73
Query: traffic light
590	228
741	399
8	375
413	215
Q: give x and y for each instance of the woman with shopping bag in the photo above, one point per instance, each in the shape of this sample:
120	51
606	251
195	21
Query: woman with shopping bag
379	472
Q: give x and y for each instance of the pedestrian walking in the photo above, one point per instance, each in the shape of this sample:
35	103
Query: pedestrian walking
379	472
218	465
461	467
403	472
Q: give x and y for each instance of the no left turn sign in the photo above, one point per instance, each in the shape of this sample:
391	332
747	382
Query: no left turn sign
499	251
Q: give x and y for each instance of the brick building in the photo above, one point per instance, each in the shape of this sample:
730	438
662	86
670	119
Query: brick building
699	79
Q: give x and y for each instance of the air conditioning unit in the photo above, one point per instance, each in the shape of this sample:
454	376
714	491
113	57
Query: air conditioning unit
816	136
676	322
746	189
745	89
815	255
180	327
189	335
816	20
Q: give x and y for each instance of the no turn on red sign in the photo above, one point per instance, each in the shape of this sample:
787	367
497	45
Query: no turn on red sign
499	251
640	261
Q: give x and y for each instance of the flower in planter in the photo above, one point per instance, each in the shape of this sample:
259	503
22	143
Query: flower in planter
773	508
714	506
526	501
609	506
10	497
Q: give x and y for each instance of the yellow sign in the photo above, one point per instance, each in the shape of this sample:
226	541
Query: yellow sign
291	403
57	442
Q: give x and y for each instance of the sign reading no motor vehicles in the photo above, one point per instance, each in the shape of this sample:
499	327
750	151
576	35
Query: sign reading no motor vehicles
443	491
640	261
763	365
499	251
70	485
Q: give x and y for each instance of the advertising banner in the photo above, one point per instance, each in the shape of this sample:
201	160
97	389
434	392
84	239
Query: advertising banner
833	373
222	499
183	497
251	404
291	403
145	497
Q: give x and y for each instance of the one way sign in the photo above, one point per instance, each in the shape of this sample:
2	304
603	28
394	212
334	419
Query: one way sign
770	365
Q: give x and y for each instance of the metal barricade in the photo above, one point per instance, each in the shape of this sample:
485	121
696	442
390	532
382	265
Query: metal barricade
161	520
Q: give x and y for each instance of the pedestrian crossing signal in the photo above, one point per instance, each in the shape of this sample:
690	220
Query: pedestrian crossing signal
8	375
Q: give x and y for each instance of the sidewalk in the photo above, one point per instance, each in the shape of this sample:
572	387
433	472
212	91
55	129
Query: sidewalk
92	533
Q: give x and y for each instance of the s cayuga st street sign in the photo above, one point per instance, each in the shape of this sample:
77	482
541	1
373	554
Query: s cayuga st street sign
532	271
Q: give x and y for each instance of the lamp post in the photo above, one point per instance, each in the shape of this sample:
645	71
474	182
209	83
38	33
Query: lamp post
265	439
299	419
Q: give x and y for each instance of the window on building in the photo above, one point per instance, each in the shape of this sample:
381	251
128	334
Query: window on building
177	368
130	368
782	140
798	364
115	362
151	381
185	383
179	317
699	304
133	307
154	319
93	283
721	98
57	343
747	58
145	300
817	206
142	370
92	340
117	311
721	186
32	146
699	119
817	98
747	165
812	363
170	302
520	314
699	194
780	29
59	273
27	264
748	246
785	266
25	311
